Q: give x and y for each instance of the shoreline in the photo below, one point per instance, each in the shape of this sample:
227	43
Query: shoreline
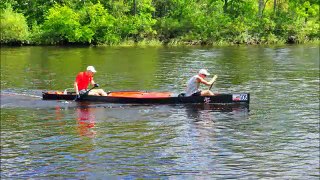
154	43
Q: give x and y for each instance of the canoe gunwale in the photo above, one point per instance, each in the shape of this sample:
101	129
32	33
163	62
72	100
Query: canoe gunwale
227	98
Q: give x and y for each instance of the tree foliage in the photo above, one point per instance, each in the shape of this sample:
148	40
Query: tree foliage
14	28
168	21
62	24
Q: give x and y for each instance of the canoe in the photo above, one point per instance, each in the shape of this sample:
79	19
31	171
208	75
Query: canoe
144	97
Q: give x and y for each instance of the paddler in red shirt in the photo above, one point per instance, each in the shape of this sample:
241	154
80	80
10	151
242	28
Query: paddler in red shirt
82	82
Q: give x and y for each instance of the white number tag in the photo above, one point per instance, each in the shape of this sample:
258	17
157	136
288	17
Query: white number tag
239	97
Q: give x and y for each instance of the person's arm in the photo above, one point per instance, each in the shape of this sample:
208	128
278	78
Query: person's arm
200	79
75	85
203	81
92	82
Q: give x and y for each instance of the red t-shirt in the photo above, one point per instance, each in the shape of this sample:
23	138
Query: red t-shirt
83	79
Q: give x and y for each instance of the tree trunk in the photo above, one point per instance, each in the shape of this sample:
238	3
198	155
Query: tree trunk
225	6
261	6
134	7
274	6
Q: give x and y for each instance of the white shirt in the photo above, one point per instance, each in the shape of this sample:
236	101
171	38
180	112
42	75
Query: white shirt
192	85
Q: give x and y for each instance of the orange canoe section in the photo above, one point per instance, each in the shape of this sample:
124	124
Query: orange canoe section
130	94
140	94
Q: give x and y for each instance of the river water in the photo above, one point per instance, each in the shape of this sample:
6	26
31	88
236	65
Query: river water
277	138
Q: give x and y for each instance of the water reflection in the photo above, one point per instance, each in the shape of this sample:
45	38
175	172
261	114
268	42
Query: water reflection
85	120
204	112
84	115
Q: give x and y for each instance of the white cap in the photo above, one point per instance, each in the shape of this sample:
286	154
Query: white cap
91	68
204	71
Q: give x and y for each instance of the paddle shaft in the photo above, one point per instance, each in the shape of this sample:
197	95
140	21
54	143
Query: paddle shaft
215	77
87	92
210	86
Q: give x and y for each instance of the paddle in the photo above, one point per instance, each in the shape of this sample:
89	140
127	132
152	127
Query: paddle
86	93
213	80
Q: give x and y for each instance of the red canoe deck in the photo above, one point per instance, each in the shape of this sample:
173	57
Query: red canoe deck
139	94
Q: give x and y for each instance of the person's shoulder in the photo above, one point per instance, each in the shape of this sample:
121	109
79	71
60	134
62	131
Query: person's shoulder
80	74
197	76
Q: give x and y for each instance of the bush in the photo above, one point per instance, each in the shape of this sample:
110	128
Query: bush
61	26
14	28
101	24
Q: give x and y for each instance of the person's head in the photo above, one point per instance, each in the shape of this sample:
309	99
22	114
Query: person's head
91	70
203	73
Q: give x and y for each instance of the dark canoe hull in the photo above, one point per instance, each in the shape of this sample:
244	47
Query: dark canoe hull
237	98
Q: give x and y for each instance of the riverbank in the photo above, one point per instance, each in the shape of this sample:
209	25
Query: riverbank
196	23
172	43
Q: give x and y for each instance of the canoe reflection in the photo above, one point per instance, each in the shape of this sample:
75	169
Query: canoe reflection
199	112
86	120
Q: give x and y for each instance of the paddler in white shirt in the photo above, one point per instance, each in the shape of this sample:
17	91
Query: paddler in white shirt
194	84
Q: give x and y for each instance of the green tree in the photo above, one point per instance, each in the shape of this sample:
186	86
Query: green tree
14	28
62	26
101	25
182	21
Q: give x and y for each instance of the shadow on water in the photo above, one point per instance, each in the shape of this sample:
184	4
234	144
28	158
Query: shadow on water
200	112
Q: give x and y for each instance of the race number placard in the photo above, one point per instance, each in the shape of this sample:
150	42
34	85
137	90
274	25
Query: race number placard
239	97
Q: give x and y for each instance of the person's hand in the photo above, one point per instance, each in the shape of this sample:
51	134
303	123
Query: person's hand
213	79
96	85
77	97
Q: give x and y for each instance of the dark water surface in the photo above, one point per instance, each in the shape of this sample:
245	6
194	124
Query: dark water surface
277	138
